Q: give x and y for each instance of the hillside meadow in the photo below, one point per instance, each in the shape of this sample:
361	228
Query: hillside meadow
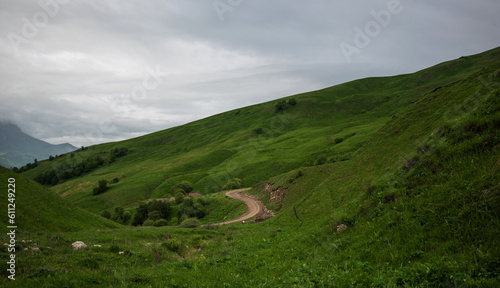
388	182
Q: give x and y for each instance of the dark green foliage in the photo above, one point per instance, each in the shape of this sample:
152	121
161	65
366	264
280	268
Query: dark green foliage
186	186
321	159
117	153
101	188
280	107
26	167
192	207
160	223
106	214
292	102
190	223
70	170
140	215
154	215
118	215
234	183
161	206
173	244
339	140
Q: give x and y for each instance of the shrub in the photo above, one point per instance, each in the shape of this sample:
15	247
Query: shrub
280	106
190	223
160	223
101	188
292	102
140	215
197	241
106	214
184	185
173	222
234	183
174	244
321	160
148	222
154	215
179	196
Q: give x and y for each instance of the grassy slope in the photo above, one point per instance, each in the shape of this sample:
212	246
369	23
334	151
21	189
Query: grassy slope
210	151
39	209
420	197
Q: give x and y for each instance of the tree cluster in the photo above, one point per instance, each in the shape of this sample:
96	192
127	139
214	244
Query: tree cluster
71	170
153	211
101	188
26	167
283	105
63	172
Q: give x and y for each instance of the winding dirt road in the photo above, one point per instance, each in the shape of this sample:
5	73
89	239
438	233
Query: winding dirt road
254	207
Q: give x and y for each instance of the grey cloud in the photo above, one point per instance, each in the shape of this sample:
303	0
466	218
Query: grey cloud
74	80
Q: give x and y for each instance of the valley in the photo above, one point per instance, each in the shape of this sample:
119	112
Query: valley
378	182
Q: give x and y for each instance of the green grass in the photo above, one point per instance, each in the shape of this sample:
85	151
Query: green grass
415	180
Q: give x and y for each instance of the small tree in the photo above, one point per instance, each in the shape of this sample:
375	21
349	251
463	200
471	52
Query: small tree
154	215
280	106
234	183
106	214
140	215
184	185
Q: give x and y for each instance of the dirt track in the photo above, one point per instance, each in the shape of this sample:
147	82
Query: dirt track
254	207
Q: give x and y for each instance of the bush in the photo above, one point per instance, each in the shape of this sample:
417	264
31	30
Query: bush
179	196
190	223
292	102
197	241
234	183
106	214
160	223
321	160
154	215
174	244
184	185
103	187
148	222
173	222
280	106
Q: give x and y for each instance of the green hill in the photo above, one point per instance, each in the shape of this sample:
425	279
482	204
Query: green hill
389	181
39	209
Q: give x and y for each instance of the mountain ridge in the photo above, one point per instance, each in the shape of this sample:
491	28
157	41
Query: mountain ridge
18	148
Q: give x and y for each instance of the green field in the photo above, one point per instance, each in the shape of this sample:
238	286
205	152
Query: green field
408	165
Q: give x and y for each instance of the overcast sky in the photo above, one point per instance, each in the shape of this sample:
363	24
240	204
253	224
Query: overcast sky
95	71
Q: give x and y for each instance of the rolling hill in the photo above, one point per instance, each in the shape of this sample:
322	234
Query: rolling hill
388	182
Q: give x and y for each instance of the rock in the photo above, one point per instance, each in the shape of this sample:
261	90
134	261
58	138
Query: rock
78	245
341	227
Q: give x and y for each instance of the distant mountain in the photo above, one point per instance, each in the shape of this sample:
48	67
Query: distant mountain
18	148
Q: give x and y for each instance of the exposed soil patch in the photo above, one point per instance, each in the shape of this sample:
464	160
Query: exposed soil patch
275	194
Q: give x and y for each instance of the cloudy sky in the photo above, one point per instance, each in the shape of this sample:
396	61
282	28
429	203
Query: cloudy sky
95	71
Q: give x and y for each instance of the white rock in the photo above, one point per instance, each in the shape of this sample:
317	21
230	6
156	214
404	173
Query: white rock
78	244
